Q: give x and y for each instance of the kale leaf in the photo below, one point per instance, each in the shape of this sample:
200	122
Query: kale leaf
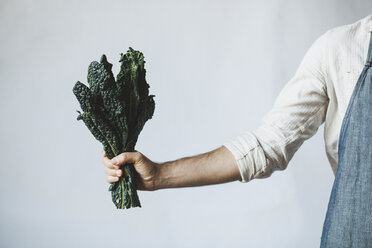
115	112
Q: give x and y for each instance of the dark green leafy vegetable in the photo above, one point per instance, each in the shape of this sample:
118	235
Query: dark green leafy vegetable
115	112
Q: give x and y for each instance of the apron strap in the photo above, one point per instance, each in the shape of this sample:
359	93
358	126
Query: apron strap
369	56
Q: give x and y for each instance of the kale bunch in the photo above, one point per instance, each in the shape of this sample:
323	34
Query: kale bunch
115	112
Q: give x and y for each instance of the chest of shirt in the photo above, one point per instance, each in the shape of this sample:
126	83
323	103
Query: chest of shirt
346	58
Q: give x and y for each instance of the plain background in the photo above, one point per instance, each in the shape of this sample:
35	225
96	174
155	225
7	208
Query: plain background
215	67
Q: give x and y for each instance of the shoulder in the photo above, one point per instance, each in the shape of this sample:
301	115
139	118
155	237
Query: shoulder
345	34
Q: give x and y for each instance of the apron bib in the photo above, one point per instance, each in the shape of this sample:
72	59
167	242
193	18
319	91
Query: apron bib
348	221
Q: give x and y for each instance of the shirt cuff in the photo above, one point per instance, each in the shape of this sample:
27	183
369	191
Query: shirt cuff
249	156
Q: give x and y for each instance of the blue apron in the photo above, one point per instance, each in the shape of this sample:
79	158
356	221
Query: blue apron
348	222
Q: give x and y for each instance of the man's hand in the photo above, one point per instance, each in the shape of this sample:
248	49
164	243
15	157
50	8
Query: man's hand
145	168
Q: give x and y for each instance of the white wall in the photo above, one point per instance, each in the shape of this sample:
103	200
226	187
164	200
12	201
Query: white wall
215	68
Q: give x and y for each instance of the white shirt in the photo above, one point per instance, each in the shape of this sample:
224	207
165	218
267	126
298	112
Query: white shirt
318	93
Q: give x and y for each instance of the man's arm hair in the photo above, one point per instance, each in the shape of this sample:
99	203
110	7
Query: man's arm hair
214	167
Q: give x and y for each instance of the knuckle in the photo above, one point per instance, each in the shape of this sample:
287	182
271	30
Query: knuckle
112	172
121	157
138	155
106	162
109	172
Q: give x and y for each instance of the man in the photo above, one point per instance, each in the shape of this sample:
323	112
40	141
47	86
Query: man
319	92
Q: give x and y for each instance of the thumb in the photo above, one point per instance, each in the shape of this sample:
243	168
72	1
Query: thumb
126	157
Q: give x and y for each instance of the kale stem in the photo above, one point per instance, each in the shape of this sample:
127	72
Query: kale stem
122	192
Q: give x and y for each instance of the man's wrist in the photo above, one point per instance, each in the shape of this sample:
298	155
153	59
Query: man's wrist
158	180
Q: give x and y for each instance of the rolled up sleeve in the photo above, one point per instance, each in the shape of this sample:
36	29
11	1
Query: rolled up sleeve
296	115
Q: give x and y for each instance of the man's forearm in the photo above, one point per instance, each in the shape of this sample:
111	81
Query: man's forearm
217	166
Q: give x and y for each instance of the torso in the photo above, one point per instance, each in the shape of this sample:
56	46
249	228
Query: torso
348	47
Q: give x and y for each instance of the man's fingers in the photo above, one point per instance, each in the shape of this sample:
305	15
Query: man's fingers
112	166
111	172
126	157
107	163
111	179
